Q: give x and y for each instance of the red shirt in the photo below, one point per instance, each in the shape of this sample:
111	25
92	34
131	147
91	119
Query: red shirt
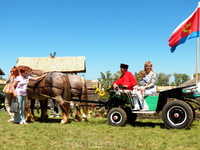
127	79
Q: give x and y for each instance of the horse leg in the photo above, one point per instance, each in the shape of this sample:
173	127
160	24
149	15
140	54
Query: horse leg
78	112
72	104
85	112
65	107
43	105
29	110
84	96
45	108
81	111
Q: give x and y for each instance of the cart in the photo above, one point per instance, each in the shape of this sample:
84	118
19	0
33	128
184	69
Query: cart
176	105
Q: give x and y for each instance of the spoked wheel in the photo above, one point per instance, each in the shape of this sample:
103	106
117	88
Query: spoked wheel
177	115
117	117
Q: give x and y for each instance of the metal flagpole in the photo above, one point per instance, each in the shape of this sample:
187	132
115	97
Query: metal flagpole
197	54
197	50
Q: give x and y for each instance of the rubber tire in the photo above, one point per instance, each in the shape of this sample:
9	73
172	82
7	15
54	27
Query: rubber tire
184	114
117	117
194	115
131	117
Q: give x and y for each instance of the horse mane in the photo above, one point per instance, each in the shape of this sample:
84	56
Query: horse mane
37	72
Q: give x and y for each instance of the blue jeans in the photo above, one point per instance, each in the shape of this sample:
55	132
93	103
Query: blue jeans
20	116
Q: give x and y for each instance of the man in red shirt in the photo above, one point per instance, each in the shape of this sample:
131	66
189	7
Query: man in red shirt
127	80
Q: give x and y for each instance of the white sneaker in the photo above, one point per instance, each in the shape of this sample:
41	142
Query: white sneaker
136	108
24	122
51	116
145	109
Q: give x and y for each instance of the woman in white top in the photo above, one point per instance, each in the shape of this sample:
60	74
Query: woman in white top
20	87
150	89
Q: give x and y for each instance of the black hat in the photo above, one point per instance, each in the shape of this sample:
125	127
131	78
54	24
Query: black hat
124	66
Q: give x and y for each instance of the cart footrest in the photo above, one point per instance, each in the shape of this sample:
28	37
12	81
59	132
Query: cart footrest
141	111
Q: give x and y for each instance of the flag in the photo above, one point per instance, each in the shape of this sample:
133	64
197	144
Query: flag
188	29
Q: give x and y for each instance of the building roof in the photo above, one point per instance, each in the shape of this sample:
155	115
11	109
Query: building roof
1	72
60	64
189	82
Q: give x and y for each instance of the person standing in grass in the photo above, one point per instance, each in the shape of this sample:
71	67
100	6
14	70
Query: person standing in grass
9	96
19	91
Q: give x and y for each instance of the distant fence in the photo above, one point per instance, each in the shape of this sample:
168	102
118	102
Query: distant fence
163	88
91	89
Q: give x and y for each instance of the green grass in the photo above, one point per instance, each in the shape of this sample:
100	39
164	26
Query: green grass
96	134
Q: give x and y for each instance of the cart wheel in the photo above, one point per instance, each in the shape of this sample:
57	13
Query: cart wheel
131	117
177	115
193	110
117	117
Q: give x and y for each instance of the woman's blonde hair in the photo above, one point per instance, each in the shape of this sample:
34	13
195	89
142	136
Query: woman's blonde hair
148	63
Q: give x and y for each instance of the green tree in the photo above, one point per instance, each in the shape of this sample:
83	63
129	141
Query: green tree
136	75
2	86
163	79
116	75
179	78
106	80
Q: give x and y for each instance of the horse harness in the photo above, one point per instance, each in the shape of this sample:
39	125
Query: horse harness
37	87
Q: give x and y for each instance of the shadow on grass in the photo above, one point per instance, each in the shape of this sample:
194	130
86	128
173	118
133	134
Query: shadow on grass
104	121
148	124
53	120
49	120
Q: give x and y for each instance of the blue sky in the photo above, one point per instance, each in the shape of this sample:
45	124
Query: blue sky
106	32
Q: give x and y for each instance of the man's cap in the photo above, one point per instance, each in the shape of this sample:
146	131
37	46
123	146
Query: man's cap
124	66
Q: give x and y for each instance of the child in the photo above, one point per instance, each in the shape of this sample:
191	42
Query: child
143	82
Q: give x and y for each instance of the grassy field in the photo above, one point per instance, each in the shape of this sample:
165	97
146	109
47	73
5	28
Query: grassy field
96	134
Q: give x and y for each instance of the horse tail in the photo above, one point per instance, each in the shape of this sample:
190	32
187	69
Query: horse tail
66	86
84	97
84	90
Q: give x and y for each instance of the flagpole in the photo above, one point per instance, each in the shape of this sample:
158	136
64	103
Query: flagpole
197	50
197	54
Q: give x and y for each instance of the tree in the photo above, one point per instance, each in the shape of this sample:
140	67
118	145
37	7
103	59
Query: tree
163	79
179	78
136	75
1	86
106	80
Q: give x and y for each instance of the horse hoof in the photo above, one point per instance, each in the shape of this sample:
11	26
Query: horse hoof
75	120
63	122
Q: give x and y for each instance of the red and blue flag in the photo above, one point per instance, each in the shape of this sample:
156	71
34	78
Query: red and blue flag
188	29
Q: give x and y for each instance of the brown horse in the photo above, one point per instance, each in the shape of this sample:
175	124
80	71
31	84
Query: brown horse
78	90
54	85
